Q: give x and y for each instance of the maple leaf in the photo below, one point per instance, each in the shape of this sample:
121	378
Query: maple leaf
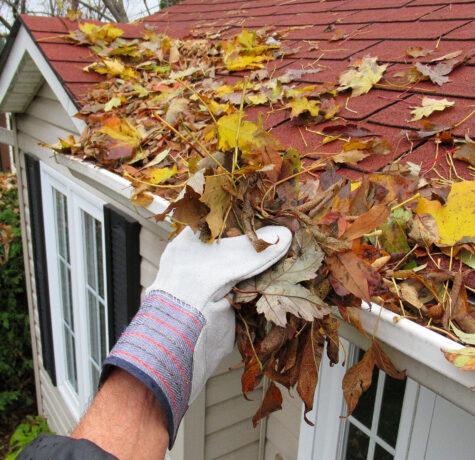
428	106
113	68
463	358
126	138
455	221
438	73
234	131
218	200
279	286
106	33
363	76
303	105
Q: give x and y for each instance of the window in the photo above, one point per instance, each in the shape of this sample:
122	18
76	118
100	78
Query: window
371	432
379	428
74	235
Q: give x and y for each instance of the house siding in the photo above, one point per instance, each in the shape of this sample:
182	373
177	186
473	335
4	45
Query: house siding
218	425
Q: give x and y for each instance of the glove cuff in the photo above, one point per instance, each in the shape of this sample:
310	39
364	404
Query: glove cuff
157	348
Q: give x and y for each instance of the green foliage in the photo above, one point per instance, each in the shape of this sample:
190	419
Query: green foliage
25	433
16	383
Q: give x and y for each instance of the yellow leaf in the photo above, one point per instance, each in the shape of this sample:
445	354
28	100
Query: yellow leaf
256	99
428	106
363	76
302	105
120	129
218	200
463	358
112	67
106	33
234	131
113	102
456	219
247	38
236	62
216	108
157	175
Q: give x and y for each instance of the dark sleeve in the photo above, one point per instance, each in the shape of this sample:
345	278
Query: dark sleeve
48	447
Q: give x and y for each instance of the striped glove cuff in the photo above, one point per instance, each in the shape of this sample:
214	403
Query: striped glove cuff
157	348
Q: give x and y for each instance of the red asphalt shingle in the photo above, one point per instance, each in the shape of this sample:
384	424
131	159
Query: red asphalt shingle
345	30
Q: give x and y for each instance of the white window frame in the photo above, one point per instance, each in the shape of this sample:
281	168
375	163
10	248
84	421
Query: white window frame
78	200
325	441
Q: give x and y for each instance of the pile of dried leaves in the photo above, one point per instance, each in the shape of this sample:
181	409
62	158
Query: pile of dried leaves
171	119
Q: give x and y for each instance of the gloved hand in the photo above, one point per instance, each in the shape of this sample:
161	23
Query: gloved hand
185	325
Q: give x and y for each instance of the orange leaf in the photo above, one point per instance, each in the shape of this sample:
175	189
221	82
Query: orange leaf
272	401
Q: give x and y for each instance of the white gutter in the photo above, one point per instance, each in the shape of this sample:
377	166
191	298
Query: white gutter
411	346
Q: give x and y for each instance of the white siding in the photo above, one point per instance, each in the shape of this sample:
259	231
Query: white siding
283	429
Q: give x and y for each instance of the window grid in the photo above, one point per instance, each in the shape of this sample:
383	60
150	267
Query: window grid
372	432
64	276
92	233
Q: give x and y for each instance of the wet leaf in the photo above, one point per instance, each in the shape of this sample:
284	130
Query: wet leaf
155	175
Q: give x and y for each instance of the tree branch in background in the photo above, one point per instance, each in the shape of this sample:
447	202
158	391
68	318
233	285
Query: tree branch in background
116	8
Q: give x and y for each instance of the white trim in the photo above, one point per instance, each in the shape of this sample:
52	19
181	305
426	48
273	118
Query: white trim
327	440
78	200
22	46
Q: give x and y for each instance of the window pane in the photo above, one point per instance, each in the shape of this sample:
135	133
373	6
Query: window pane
381	454
65	285
61	212
66	299
94	266
71	368
364	410
391	408
94	328
356	444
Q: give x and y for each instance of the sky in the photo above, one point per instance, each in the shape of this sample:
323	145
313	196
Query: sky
135	9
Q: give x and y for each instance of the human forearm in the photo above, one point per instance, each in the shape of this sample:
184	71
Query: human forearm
125	419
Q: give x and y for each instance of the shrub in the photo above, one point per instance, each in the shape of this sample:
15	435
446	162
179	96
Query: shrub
17	383
24	433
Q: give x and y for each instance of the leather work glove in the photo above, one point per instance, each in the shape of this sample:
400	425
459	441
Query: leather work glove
185	325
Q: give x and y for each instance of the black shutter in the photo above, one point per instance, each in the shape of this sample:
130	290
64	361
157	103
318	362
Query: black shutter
123	269
40	262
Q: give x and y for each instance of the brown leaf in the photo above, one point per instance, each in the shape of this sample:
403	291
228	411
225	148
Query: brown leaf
330	326
251	376
382	360
188	210
272	401
466	153
309	367
218	200
352	273
357	380
347	130
367	222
